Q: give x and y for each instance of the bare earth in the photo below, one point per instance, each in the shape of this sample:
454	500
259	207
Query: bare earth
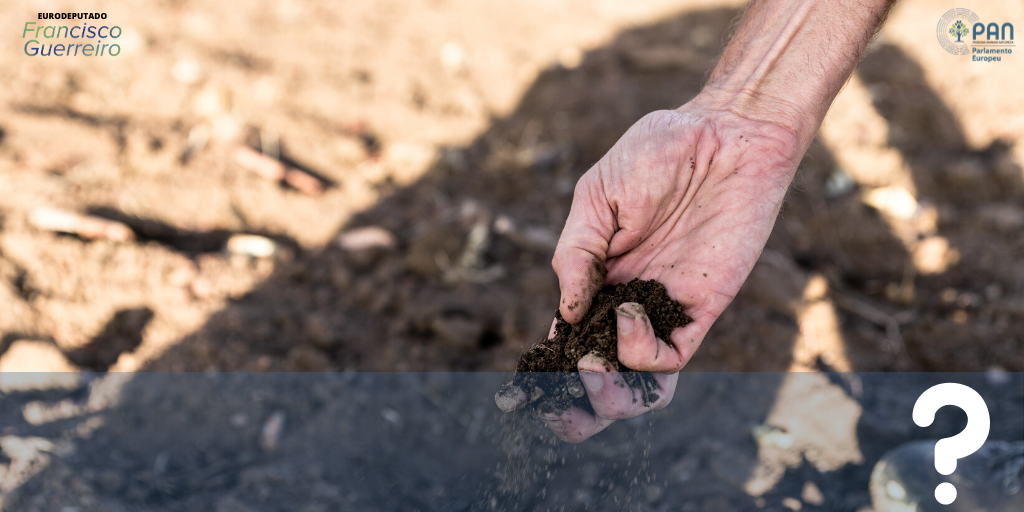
455	131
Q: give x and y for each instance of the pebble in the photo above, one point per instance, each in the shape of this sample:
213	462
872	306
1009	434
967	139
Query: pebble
266	167
85	226
368	237
894	201
304	182
812	495
270	436
792	503
251	245
392	416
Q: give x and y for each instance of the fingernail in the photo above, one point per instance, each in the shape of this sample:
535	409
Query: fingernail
592	381
624	320
548	417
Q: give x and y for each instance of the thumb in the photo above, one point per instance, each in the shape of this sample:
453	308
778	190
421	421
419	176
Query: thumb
638	347
579	259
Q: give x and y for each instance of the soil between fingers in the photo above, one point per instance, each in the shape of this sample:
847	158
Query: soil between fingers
547	372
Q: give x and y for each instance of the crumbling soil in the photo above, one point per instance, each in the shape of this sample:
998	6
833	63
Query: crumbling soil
548	371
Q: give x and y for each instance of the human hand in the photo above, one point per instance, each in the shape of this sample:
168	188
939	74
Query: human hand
686	197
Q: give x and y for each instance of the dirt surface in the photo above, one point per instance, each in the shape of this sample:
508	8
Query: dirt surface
547	371
894	250
434	441
447	136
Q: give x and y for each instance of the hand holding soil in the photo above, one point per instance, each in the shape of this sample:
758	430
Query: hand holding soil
686	198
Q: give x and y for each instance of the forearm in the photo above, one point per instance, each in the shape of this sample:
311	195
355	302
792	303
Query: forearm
789	59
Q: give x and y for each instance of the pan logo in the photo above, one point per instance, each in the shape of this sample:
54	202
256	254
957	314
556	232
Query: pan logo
954	26
961	32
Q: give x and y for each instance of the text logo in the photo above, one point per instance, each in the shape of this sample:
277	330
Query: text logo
76	40
961	32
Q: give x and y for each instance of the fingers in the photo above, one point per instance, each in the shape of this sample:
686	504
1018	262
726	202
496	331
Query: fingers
580	275
582	249
612	398
575	424
687	339
509	397
639	348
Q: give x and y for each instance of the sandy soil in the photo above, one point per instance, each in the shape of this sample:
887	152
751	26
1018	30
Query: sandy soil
455	131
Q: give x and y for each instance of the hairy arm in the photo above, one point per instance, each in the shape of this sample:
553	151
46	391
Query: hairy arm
789	59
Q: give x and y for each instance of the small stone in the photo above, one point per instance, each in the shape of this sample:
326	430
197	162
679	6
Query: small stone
368	237
270	436
252	245
792	504
812	495
391	416
86	226
264	166
934	255
893	201
304	182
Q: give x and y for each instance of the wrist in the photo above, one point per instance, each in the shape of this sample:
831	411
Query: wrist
789	58
749	102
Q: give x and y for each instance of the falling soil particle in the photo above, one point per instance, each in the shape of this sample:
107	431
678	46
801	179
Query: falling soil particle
547	373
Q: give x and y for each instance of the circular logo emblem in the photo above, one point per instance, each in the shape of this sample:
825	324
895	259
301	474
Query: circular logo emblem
953	29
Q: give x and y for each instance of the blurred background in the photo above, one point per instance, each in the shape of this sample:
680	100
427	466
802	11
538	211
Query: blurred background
290	185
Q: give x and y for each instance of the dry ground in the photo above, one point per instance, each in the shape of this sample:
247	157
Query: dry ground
459	128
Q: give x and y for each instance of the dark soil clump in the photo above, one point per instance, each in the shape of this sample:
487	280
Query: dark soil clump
547	373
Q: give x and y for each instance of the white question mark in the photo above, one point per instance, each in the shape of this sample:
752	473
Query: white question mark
948	450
